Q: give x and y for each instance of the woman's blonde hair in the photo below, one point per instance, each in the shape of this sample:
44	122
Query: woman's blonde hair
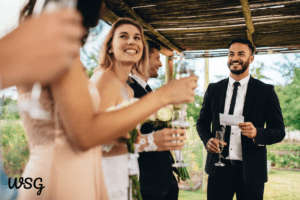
106	59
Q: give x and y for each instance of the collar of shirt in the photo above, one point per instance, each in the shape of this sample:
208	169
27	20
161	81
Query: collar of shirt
139	80
242	82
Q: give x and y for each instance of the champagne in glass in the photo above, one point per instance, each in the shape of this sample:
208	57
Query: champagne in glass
179	114
220	136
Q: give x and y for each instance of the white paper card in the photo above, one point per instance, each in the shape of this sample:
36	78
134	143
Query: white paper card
231	120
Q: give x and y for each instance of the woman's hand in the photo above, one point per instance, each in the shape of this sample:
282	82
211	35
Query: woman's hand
41	49
179	91
165	139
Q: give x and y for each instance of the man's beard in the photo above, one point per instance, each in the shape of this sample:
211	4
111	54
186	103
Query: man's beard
153	74
244	65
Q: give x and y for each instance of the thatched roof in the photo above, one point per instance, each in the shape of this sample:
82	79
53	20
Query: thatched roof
187	25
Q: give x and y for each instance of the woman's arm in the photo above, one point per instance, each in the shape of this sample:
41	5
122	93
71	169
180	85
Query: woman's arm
109	88
88	129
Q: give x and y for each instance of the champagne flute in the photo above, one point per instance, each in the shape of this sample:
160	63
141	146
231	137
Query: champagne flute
220	136
178	120
179	123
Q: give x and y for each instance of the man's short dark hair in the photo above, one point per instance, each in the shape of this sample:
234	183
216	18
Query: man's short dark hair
243	41
151	46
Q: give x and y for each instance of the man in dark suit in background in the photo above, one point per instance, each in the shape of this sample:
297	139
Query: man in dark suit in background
245	170
156	173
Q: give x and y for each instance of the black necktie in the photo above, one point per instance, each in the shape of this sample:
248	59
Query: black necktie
148	88
231	110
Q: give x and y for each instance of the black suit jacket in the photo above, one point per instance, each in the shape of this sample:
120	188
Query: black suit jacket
261	106
155	167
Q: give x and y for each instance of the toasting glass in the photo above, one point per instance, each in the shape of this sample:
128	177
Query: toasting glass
220	136
179	116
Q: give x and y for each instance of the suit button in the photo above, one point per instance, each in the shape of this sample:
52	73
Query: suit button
232	133
231	149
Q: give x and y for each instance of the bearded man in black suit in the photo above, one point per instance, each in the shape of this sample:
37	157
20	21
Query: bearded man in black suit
156	173
245	153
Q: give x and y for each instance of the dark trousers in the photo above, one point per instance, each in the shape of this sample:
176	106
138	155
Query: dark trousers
228	180
170	193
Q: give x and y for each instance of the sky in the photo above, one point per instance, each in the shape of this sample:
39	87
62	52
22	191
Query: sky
9	12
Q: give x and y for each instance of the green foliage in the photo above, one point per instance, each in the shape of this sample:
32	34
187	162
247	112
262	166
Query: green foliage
9	110
284	146
193	152
8	101
193	109
90	61
289	97
90	71
281	185
14	147
287	161
286	68
183	173
192	195
256	72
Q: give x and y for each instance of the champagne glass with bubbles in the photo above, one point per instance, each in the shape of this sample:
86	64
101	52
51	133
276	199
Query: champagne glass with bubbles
220	136
179	116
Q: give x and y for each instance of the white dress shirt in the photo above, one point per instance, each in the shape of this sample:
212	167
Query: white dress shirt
139	80
235	145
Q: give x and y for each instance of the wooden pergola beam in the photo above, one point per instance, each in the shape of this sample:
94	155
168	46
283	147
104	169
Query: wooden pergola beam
111	17
158	36
248	19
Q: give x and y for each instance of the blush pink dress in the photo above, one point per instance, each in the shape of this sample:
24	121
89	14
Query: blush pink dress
66	172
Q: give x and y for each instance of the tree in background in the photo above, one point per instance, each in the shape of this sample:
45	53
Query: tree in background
9	109
90	62
287	67
289	95
256	71
90	58
193	109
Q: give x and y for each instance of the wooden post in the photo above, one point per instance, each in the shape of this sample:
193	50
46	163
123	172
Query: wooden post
169	70
248	19
206	83
206	71
167	74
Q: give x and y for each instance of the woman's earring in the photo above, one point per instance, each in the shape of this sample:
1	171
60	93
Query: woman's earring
110	51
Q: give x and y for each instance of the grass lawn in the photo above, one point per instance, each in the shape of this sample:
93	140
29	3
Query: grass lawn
282	185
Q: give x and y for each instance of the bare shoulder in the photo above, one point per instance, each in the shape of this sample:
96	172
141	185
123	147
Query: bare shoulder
106	80
108	86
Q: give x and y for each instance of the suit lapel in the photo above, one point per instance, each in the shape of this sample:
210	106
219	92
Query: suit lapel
139	87
251	90
222	91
